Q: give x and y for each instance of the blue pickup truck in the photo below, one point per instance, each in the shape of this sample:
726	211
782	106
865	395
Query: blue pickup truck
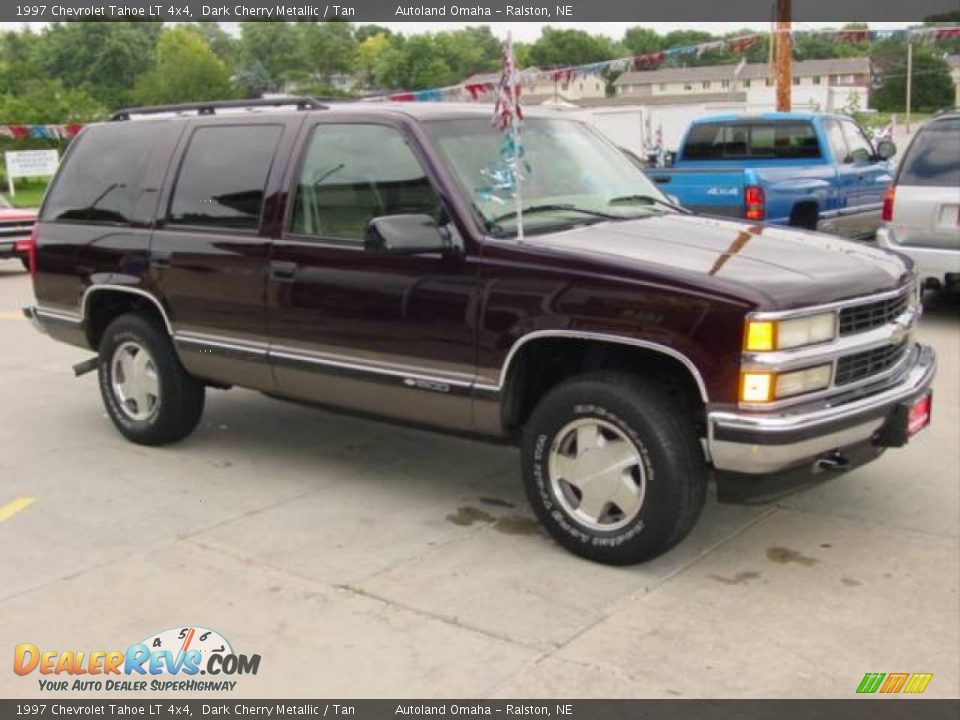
809	170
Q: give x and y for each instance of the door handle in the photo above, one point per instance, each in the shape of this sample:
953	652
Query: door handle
160	259
283	271
661	180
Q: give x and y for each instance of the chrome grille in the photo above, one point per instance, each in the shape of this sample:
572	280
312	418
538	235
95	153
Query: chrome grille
860	318
863	365
15	228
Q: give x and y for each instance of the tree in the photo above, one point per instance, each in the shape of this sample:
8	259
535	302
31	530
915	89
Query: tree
639	40
412	64
327	48
368	55
102	58
557	48
47	101
932	88
224	45
275	45
186	71
20	60
253	81
365	32
469	51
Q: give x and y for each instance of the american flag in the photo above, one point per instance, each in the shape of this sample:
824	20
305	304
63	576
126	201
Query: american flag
507	112
508	119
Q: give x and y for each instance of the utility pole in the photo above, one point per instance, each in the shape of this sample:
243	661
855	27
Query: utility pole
784	56
909	80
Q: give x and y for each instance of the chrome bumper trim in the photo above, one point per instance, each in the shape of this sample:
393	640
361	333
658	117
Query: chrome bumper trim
757	443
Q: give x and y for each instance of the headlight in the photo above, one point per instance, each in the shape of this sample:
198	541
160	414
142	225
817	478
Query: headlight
762	387
766	335
803	381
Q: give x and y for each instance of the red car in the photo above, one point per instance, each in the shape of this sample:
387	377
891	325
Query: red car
15	227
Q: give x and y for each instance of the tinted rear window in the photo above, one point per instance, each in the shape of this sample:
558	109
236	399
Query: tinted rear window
934	156
100	179
758	140
222	176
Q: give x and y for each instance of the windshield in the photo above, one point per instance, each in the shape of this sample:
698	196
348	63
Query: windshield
573	176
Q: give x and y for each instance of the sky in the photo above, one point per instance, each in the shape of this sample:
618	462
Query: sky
530	31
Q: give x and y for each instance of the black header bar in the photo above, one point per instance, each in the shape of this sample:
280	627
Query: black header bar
483	11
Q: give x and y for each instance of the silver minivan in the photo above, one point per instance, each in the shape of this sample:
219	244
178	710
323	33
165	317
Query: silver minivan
921	211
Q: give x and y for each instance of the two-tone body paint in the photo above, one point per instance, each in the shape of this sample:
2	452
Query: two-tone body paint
431	339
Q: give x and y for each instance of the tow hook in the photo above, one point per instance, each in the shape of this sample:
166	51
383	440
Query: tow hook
82	368
832	462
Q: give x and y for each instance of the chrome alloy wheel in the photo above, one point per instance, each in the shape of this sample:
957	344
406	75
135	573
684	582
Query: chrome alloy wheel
134	381
597	474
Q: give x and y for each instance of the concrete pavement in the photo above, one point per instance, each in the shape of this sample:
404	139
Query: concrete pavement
362	559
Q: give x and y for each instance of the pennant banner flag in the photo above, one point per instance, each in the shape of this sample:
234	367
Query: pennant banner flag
653	60
47	132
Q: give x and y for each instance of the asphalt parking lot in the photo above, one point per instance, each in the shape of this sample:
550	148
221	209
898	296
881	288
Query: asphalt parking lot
362	559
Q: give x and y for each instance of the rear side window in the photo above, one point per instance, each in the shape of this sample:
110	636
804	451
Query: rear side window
100	179
757	140
934	156
222	176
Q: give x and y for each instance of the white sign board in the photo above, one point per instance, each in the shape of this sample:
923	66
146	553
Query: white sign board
30	163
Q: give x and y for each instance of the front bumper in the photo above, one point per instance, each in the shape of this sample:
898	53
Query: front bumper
809	438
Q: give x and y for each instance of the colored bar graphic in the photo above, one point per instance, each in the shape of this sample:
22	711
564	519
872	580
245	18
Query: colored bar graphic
870	682
894	683
918	682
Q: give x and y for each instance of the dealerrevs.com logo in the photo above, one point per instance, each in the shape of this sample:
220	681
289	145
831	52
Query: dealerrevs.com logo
170	660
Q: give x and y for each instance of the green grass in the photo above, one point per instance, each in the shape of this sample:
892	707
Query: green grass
29	193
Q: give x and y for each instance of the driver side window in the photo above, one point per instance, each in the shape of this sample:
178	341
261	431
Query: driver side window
352	174
838	143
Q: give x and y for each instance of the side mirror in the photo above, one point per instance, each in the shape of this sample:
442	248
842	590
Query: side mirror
860	157
405	235
886	149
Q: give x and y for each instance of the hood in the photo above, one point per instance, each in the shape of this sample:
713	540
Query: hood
792	268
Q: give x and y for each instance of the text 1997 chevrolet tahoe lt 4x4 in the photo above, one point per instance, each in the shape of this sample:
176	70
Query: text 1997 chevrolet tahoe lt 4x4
365	257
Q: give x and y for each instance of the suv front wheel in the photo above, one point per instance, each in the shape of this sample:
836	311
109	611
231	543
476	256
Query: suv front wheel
149	396
613	469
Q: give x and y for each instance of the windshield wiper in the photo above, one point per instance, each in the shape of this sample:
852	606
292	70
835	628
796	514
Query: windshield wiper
555	207
647	200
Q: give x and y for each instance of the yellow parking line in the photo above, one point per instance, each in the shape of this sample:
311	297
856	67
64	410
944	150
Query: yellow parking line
14	506
11	315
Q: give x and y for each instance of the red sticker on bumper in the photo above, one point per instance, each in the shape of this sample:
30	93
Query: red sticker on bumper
919	415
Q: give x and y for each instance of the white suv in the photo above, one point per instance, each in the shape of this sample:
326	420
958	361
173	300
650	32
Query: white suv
921	210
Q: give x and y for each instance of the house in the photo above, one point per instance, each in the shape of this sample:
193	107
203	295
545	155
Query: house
540	88
831	84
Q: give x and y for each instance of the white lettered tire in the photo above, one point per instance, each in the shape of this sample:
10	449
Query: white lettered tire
613	468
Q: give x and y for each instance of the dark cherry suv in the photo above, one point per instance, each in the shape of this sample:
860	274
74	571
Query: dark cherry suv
366	257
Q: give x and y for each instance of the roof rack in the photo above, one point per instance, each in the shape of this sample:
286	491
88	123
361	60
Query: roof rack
210	108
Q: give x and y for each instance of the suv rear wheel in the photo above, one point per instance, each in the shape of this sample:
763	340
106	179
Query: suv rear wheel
149	396
612	469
